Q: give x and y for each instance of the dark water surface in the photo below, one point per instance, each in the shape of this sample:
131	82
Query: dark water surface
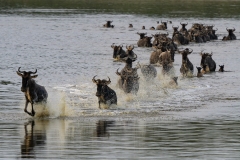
66	42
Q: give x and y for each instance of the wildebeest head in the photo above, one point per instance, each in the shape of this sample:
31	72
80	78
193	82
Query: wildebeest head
130	52
183	26
165	24
204	56
100	85
130	26
230	31
26	77
221	69
175	29
185	53
199	69
142	35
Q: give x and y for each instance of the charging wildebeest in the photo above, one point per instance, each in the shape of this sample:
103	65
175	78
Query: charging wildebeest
208	64
231	35
105	94
186	67
34	93
128	80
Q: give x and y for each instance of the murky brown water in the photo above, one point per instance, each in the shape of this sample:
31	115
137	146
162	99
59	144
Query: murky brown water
197	120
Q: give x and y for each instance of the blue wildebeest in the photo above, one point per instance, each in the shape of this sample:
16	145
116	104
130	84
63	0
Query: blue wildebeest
199	73
231	35
162	26
186	67
208	64
149	72
118	52
130	26
105	94
34	93
183	27
108	24
128	81
144	40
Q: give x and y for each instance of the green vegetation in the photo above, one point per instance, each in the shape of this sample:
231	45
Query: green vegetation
163	8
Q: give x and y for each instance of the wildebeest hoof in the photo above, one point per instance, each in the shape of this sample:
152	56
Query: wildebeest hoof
33	113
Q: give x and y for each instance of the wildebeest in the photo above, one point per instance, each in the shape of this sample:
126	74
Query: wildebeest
105	94
128	80
108	24
199	73
162	26
221	69
34	93
143	27
231	35
187	66
208	64
183	27
118	52
144	40
149	72
130	26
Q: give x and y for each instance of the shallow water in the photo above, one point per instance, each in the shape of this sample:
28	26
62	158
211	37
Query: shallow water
197	120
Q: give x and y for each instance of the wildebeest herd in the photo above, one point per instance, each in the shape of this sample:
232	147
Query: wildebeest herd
164	49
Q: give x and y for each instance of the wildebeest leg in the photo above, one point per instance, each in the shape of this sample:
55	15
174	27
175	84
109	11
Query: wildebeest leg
25	110
99	104
33	112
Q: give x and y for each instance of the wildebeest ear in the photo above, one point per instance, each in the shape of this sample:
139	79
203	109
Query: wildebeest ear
34	76
19	73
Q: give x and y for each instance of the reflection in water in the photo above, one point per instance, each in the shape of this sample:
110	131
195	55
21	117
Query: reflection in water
32	139
102	128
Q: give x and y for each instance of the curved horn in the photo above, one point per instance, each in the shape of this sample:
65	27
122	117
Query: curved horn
108	82
233	29
187	24
191	50
33	72
118	73
181	23
94	80
227	28
19	70
216	29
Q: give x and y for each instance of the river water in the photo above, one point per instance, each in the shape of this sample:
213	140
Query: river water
198	119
